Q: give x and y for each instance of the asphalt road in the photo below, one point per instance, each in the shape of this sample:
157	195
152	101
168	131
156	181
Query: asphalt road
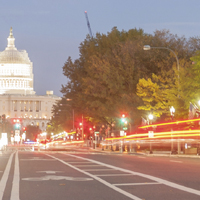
84	175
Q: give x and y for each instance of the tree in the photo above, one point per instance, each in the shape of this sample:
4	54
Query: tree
102	82
113	74
62	119
32	132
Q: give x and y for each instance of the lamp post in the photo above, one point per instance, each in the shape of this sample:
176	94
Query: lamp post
172	111
148	47
151	135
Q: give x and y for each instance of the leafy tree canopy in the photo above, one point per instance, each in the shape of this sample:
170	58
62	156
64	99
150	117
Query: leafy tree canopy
114	75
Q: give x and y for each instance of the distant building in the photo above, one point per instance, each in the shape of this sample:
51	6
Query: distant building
17	95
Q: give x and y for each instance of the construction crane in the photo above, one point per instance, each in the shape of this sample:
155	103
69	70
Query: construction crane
88	24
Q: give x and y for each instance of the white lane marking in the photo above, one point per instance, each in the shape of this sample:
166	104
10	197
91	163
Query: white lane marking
16	180
36	159
159	180
114	175
49	172
78	162
87	165
94	170
141	157
124	184
177	161
56	178
99	179
5	176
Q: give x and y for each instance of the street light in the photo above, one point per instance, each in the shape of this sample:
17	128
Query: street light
150	116
148	47
151	134
172	111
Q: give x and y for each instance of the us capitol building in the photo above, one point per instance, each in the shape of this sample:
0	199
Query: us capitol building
17	96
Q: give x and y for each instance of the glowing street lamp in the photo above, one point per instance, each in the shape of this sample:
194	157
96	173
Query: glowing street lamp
150	117
172	111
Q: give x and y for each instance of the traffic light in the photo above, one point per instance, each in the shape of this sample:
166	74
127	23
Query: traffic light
24	129
123	118
17	123
124	122
3	118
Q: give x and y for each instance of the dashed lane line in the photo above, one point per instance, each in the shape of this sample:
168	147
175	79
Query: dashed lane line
153	178
96	170
87	165
177	161
78	162
131	196
114	175
125	184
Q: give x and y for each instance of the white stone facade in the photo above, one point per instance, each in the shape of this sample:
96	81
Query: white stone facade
32	109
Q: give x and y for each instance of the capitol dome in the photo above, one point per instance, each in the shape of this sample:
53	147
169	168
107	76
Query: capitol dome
14	56
16	76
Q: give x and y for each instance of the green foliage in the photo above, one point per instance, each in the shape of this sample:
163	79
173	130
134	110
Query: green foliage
62	119
114	74
32	132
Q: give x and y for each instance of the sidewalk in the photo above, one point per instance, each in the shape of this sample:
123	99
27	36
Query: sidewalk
154	154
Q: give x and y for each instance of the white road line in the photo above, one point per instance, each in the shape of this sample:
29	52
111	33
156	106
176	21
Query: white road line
5	176
124	184
141	157
114	175
159	180
99	179
98	170
77	162
16	180
87	165
177	161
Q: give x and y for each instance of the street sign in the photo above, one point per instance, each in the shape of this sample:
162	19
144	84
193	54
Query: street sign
17	135
151	134
121	133
96	133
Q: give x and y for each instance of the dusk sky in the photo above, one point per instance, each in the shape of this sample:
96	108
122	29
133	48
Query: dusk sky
52	30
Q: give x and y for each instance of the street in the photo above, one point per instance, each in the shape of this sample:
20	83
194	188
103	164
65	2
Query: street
81	174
